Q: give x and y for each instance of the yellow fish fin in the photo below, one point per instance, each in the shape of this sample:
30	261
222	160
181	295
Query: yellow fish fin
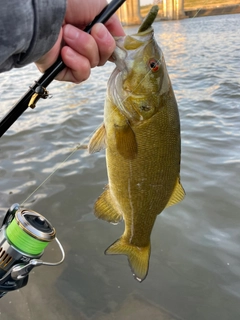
98	140
126	141
104	208
177	195
138	257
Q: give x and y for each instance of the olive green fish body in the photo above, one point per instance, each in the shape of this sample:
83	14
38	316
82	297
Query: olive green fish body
141	133
143	185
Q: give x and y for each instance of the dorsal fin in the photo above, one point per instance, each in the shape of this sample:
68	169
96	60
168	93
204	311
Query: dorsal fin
177	195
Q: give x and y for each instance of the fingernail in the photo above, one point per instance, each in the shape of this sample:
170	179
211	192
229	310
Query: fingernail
70	32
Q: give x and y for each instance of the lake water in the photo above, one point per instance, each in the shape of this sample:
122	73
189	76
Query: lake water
195	262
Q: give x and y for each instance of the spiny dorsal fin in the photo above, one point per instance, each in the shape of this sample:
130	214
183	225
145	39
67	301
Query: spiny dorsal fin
98	140
105	208
177	195
126	141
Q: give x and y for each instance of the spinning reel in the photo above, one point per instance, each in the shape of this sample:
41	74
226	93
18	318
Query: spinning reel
23	237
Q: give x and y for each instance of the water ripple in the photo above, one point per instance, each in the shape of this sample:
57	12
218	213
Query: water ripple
195	251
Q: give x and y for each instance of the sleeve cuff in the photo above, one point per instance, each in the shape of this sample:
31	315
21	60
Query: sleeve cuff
48	19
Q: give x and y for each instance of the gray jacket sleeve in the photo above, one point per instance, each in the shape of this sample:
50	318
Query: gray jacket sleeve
28	29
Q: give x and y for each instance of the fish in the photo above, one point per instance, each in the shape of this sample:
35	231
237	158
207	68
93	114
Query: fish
141	135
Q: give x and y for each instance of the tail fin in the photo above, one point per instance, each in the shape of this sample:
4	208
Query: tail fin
138	257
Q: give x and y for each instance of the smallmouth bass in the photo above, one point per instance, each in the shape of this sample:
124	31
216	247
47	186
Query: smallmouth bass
141	134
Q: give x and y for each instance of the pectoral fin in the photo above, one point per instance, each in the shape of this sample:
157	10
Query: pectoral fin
126	141
138	257
98	140
177	195
105	209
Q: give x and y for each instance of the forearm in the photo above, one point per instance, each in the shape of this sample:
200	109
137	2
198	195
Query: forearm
28	29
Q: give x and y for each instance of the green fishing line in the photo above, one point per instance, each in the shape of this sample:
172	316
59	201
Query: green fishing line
24	241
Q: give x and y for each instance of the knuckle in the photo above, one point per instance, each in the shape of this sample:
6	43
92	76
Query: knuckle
84	72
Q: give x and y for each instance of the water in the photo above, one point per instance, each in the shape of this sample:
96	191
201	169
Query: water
195	263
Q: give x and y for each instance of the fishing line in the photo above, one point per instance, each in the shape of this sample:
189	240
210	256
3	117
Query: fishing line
78	147
199	10
123	100
24	241
81	146
24	233
35	245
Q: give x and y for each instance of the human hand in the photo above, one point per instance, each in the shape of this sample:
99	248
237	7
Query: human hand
79	50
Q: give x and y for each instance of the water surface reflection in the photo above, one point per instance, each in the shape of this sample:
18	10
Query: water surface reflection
194	271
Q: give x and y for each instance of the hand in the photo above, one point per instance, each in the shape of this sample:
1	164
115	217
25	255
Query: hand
79	50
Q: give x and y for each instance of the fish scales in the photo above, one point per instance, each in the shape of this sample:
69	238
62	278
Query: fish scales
141	133
146	174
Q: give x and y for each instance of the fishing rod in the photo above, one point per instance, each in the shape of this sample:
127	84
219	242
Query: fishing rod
24	233
38	90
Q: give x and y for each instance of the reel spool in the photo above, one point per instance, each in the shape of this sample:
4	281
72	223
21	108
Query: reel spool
23	237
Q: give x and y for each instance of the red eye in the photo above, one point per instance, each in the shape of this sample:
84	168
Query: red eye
154	65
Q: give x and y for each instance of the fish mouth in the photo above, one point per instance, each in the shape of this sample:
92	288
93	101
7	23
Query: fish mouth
124	55
129	46
118	96
119	56
143	33
125	46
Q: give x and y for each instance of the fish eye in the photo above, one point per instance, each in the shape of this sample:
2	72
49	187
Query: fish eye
154	65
